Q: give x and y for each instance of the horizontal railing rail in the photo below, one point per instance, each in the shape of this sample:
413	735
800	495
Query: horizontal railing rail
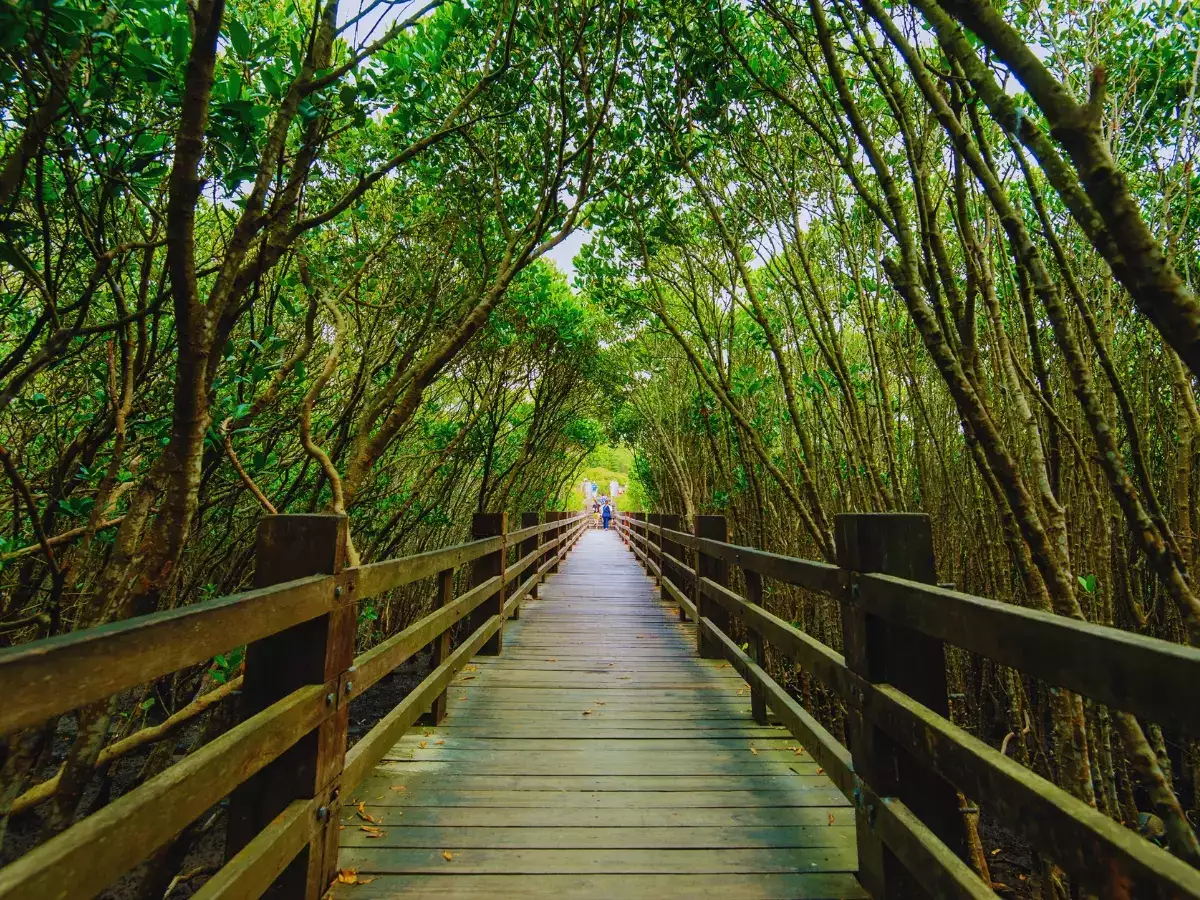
1129	672
285	765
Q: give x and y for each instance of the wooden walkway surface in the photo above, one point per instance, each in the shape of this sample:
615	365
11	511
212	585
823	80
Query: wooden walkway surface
598	757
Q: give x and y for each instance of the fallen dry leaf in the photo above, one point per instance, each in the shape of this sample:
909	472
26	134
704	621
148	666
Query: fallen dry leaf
447	855
798	750
752	750
462	698
587	712
366	816
438	743
831	818
372	831
399	787
551	659
820	771
422	744
347	876
600	702
994	852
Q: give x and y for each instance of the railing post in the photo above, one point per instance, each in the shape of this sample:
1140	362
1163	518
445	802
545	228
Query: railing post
714	569
319	651
758	696
485	525
635	527
528	545
554	535
898	544
441	646
656	540
670	521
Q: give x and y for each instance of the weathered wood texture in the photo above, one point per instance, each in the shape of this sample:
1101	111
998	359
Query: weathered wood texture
880	651
318	651
598	757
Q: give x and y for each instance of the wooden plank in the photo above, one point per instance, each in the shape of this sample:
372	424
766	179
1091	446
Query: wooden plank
377	578
315	652
935	866
93	853
642	765
376	742
250	873
46	678
457	742
827	665
439	779
878	651
517	569
548	862
666	772
597	754
383	658
1119	668
820	744
1079	838
757	886
687	608
425	793
596	837
816	576
615	733
548	816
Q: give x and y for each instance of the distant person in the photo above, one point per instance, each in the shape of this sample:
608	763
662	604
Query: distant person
607	515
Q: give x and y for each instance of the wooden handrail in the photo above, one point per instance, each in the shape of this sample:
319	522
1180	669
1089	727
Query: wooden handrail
1123	670
90	855
44	679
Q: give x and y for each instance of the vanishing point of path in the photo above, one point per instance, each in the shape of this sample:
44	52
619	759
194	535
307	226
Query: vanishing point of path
598	757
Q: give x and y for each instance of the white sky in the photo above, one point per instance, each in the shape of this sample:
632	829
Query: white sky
564	254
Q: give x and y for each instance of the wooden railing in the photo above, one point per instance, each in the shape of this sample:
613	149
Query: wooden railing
906	758
285	766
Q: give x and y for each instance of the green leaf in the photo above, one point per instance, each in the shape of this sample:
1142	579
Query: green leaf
181	40
240	38
271	83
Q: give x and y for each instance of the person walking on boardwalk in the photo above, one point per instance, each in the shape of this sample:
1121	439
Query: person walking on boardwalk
607	515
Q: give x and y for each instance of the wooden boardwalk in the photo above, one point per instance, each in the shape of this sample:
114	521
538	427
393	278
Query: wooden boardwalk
599	757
